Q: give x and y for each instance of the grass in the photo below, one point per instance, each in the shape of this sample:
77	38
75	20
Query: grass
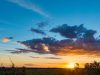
90	69
48	71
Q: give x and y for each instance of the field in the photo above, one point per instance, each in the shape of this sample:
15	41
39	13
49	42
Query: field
48	71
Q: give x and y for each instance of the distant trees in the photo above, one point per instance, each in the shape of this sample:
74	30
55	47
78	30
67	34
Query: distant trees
95	64
92	68
76	66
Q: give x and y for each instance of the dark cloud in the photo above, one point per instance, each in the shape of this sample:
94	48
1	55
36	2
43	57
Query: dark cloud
37	45
42	24
10	37
38	31
69	31
18	51
66	31
84	37
79	40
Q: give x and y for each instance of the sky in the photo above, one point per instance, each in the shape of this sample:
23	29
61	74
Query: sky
55	32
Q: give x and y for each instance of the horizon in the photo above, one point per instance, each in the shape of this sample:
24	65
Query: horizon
51	33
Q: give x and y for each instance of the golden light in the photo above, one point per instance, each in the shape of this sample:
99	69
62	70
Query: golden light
71	65
5	40
45	47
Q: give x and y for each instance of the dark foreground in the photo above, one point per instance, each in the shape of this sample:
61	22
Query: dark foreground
48	71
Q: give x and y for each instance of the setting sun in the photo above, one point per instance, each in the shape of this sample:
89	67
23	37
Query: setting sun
71	65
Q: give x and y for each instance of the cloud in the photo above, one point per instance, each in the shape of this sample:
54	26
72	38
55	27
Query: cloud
63	47
42	24
7	39
79	41
69	31
30	65
52	58
84	37
34	57
5	23
45	57
18	51
30	6
57	63
38	31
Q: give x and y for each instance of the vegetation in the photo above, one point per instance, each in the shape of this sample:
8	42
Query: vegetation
90	69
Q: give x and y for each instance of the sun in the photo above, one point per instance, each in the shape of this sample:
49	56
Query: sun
70	65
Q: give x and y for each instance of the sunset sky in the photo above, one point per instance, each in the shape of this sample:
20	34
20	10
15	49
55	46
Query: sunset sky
49	33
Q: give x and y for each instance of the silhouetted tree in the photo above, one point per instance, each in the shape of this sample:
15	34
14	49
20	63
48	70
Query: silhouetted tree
92	68
76	65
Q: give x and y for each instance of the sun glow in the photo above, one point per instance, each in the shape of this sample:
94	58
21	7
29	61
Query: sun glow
70	65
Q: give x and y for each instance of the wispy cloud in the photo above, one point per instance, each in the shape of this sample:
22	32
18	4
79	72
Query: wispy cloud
6	23
30	6
46	57
29	65
51	58
38	31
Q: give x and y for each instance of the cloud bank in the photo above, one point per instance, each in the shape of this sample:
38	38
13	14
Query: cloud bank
79	41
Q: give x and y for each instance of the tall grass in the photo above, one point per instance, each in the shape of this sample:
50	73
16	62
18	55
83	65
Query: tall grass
90	69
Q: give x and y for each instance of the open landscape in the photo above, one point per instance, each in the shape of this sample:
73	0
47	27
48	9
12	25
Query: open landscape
49	37
48	71
41	71
90	69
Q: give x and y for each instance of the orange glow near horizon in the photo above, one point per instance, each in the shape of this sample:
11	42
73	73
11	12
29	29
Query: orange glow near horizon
70	65
65	61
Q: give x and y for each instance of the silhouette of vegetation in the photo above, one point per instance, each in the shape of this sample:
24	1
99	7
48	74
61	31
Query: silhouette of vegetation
90	69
